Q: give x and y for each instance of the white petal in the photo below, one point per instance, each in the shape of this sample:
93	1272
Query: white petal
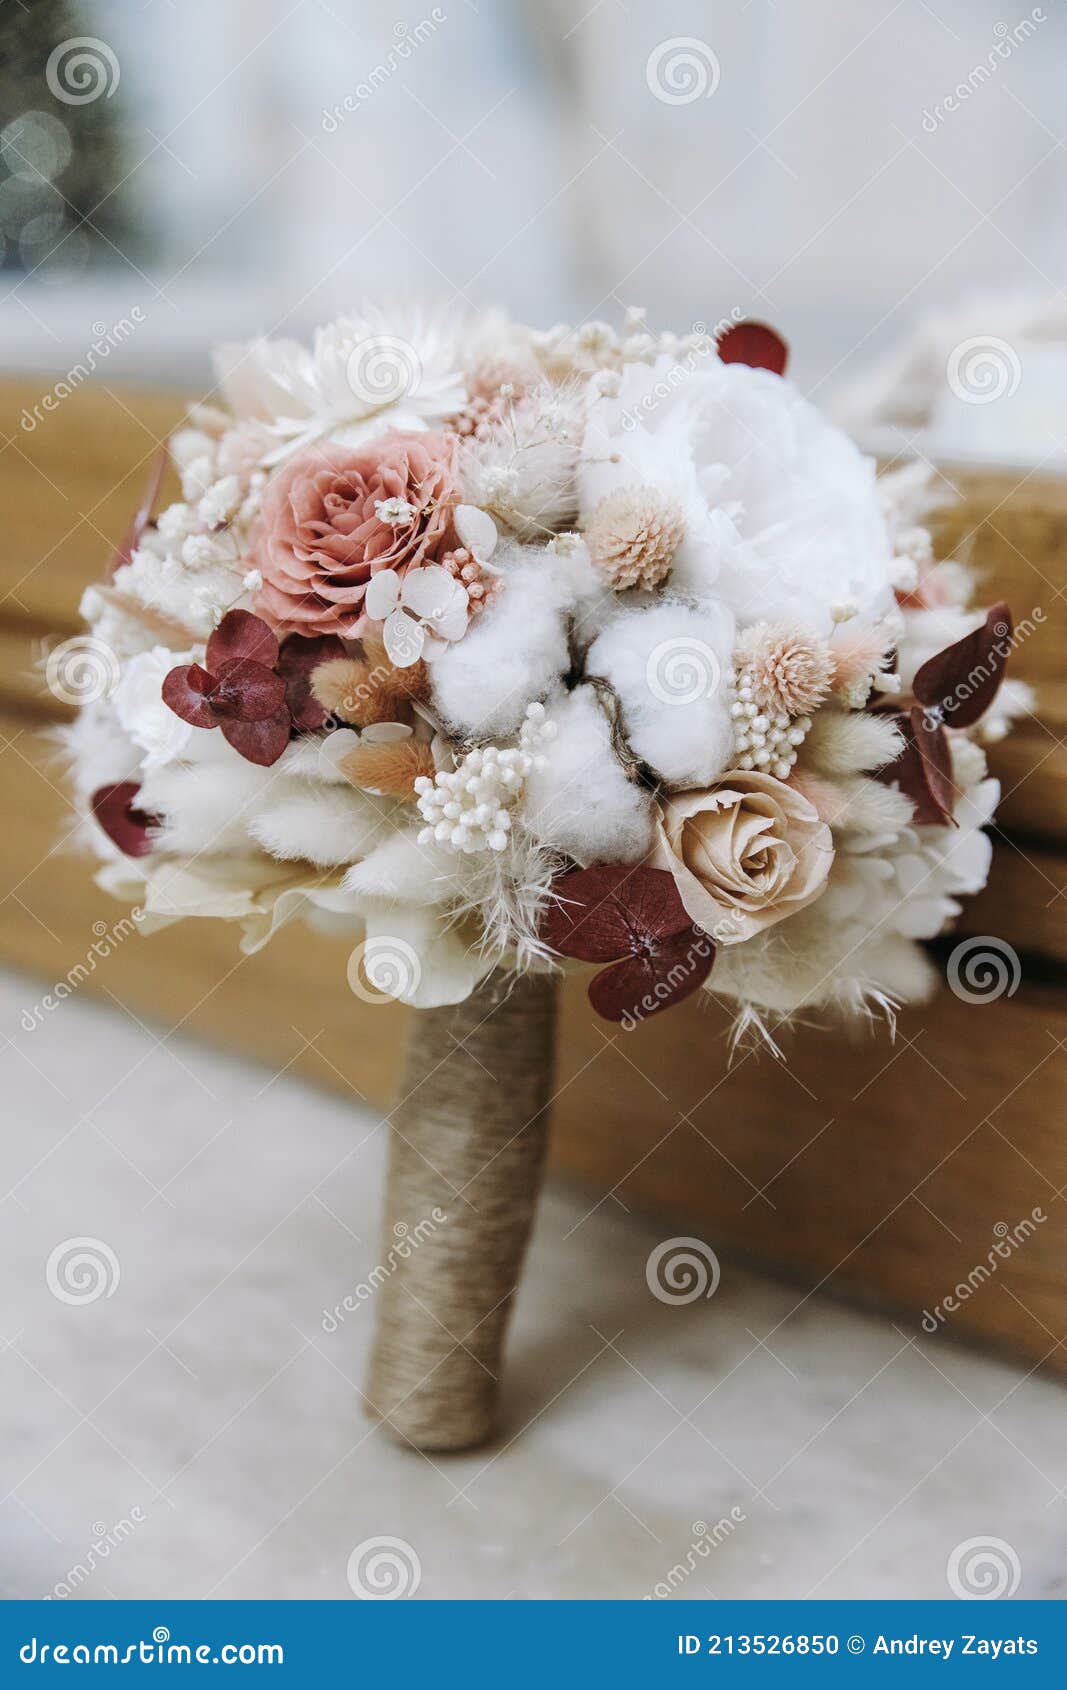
403	638
333	748
451	623
386	733
427	592
476	530
383	592
417	958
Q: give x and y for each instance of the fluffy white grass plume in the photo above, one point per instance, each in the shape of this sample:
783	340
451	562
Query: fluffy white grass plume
850	742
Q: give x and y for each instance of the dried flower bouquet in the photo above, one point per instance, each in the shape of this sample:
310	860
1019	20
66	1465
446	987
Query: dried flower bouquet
526	647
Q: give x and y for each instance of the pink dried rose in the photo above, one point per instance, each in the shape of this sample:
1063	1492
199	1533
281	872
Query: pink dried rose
333	516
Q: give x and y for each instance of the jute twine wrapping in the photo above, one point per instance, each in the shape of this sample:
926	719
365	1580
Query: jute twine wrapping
468	1140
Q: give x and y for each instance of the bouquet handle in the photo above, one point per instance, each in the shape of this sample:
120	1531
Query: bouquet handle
467	1151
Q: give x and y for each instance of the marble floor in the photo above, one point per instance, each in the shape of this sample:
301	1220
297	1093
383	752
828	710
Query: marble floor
192	1430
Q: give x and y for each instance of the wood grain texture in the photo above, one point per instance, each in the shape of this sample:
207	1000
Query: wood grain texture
880	1170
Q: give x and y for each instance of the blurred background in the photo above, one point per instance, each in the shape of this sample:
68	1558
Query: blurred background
232	165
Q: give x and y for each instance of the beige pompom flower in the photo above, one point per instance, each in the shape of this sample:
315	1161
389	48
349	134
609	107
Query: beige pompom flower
783	668
632	537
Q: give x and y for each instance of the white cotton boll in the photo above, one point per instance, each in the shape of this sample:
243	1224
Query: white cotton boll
517	649
401	869
581	802
670	666
323	825
850	742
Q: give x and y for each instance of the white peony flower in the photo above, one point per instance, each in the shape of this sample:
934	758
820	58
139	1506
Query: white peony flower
139	706
783	517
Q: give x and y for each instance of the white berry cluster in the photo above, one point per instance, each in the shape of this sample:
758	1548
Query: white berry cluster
469	808
765	741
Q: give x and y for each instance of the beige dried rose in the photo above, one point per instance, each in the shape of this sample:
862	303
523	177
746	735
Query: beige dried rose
744	854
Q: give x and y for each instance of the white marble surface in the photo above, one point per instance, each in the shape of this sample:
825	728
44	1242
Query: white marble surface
203	1402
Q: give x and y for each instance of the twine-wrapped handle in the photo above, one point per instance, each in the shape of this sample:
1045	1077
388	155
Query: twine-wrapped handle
468	1145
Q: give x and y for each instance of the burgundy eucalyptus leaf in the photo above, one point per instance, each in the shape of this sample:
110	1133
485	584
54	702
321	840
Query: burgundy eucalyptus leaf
186	690
640	986
963	680
602	914
115	808
923	770
259	742
145	512
245	691
756	345
241	635
300	657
